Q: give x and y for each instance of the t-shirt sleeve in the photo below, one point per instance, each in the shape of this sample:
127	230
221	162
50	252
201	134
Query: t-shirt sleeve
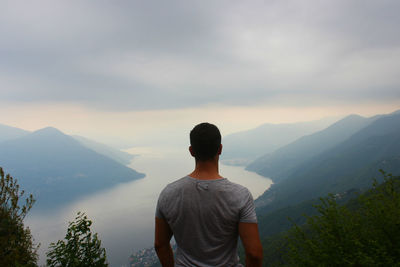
247	213
159	213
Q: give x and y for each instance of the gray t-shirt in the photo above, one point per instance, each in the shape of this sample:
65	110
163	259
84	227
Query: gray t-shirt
204	217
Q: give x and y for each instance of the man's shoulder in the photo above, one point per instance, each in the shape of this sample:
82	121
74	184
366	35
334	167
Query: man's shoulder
178	183
174	186
236	187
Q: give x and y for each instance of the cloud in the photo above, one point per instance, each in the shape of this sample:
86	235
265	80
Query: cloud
141	55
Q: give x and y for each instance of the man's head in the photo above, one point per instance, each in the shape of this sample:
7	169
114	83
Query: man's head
205	141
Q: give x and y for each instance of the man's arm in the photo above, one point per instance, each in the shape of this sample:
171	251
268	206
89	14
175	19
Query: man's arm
250	237
163	234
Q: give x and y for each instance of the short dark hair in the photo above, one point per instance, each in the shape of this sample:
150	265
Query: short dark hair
205	140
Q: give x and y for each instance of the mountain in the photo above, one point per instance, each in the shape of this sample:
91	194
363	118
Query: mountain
351	164
281	163
243	147
58	169
117	155
8	132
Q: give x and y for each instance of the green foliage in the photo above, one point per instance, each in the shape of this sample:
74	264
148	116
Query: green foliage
16	243
80	247
274	250
365	233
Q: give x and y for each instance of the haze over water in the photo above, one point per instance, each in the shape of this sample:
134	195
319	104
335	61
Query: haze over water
123	216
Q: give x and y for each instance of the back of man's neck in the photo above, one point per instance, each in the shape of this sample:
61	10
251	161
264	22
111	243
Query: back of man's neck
206	170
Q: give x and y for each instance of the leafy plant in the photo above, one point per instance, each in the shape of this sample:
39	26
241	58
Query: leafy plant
16	241
365	232
79	248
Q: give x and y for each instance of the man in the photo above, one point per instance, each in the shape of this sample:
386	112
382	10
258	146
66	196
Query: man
205	212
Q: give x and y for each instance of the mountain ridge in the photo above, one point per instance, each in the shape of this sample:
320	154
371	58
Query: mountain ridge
9	132
350	164
243	147
58	169
117	155
280	164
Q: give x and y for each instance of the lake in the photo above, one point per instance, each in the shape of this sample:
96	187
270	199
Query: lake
123	216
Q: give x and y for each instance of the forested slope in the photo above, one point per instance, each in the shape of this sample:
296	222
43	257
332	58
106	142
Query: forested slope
280	164
350	164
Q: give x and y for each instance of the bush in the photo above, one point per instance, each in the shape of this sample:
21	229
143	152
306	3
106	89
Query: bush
365	232
16	241
80	247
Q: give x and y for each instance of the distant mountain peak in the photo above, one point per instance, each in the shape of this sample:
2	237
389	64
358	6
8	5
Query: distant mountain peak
353	116
58	169
51	134
49	130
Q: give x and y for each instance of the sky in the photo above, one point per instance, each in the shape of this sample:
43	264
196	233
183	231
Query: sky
135	71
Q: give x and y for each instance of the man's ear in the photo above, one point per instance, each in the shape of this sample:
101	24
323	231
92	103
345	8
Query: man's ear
220	149
191	151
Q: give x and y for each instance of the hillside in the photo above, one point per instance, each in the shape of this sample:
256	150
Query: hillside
350	164
9	132
342	230
244	147
115	154
58	169
281	163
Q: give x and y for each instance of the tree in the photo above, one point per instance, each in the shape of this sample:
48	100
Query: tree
16	241
365	232
79	248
